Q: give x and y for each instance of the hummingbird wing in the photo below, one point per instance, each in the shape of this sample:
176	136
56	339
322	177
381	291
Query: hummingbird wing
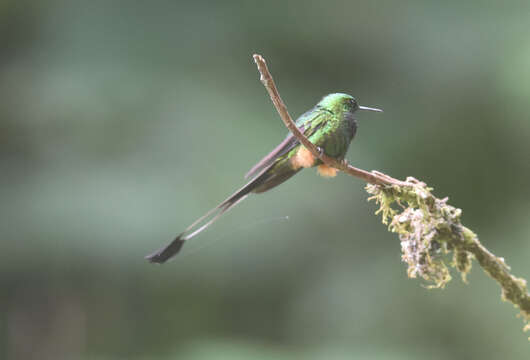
285	146
308	124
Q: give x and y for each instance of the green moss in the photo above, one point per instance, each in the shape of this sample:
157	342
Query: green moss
424	225
430	229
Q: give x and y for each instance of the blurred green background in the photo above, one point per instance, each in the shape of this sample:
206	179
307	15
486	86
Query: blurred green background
123	121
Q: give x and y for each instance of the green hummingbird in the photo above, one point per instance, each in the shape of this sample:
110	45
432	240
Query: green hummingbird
330	125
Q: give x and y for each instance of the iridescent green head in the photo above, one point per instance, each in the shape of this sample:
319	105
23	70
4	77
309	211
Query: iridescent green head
338	102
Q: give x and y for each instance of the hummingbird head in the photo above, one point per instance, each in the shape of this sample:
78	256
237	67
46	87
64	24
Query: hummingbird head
337	103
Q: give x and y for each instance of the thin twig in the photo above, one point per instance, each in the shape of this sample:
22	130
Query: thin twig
374	177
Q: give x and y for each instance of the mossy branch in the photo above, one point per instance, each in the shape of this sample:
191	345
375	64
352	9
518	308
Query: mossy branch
428	228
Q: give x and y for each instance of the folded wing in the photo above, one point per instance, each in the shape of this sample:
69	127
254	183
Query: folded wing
308	127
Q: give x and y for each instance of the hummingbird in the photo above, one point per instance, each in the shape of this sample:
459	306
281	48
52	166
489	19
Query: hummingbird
330	125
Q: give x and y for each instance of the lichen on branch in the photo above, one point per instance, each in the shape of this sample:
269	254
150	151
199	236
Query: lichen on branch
430	230
427	228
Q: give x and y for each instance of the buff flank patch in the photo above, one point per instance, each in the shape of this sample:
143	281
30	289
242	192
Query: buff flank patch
326	171
302	159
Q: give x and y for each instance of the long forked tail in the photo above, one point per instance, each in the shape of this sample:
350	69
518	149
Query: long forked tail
162	255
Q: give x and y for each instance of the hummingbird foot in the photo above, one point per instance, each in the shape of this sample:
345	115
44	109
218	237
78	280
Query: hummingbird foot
320	150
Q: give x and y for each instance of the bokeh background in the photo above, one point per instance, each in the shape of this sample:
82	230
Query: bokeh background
123	121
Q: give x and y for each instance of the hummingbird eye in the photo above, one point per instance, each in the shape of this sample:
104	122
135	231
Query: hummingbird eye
353	103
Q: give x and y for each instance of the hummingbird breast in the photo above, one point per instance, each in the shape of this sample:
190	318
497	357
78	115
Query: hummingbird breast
337	135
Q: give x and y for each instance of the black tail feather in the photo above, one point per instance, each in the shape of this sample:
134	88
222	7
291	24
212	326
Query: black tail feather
164	254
